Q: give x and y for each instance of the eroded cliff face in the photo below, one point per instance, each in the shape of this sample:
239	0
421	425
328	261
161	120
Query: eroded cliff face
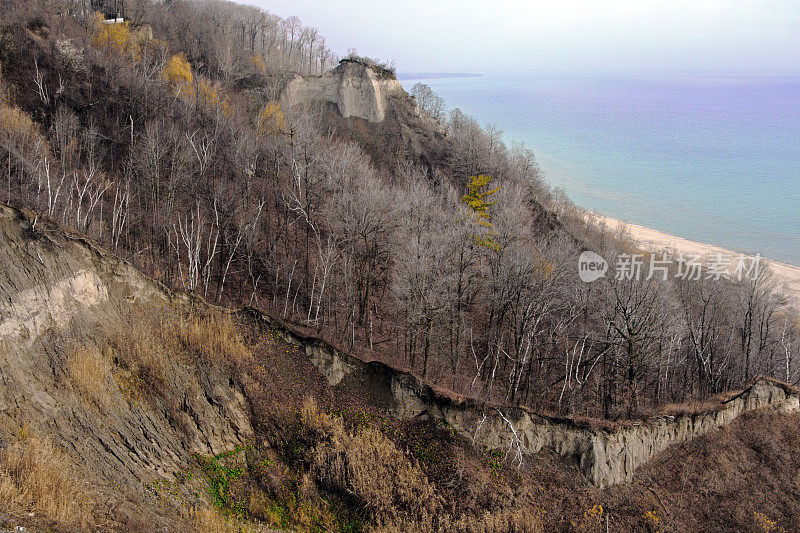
368	106
48	277
356	89
58	294
607	457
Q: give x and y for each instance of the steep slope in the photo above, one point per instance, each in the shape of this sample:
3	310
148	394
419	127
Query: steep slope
61	299
607	456
741	477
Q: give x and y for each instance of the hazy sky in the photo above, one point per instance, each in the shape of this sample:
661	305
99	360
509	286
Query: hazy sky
559	35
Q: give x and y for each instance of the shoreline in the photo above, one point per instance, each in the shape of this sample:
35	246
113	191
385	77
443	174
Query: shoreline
786	275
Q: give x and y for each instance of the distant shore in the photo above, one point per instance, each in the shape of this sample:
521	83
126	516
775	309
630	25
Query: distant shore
435	75
787	276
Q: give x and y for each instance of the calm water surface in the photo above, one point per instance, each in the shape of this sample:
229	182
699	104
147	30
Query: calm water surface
714	159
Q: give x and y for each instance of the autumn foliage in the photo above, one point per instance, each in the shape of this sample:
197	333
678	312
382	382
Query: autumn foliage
476	199
17	125
271	119
118	39
178	73
206	93
257	62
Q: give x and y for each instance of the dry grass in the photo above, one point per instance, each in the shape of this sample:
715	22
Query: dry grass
179	336
148	353
327	473
35	476
501	521
741	477
210	520
213	336
367	465
90	371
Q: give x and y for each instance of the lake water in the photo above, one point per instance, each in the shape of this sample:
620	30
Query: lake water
714	159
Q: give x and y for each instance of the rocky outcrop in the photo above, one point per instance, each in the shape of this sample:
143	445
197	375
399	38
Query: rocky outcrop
611	456
606	456
363	104
357	90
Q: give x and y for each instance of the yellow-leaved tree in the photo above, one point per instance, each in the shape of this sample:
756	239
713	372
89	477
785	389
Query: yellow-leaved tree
178	73
271	120
259	67
476	199
116	38
17	125
205	93
18	132
211	97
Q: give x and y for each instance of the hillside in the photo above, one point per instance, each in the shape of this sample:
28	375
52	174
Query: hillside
165	406
244	285
92	365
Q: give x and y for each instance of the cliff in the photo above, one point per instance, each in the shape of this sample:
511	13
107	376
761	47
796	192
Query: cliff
367	105
357	89
140	422
60	296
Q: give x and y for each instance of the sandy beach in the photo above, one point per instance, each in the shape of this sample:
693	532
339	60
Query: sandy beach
788	276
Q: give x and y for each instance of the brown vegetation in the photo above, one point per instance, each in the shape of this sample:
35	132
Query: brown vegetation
737	478
35	476
352	471
90	370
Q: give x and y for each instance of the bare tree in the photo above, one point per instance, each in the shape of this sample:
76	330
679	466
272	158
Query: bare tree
639	317
428	101
758	302
198	240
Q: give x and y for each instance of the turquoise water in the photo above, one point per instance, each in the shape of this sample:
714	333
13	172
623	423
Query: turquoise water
714	159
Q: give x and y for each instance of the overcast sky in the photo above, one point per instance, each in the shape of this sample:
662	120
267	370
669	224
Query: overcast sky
559	35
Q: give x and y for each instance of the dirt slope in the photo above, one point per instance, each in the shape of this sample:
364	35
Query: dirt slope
60	299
